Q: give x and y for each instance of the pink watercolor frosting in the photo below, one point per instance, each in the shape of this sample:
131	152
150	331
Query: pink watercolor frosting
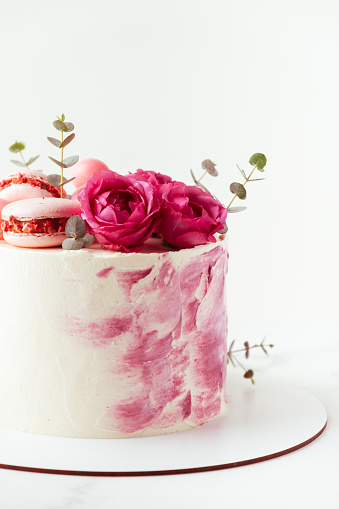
167	341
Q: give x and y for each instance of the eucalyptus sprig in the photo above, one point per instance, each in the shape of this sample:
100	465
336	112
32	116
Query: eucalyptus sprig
209	167
63	127
76	231
249	373
258	161
17	148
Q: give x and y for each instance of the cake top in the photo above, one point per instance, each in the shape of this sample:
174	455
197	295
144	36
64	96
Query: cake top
120	212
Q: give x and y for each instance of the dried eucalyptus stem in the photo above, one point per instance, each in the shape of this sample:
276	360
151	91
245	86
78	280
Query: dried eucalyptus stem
63	127
17	148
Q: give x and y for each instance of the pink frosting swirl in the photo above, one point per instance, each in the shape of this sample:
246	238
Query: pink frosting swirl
120	211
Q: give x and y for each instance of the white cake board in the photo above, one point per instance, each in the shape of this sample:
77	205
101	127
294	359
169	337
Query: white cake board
263	421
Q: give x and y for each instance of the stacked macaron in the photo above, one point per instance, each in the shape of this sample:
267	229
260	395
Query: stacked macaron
32	212
37	222
19	186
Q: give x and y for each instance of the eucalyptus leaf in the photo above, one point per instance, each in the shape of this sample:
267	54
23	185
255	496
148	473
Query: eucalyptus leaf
199	184
258	160
54	179
60	126
254	180
193	177
66	181
76	227
31	160
223	231
242	172
63	117
249	374
70	161
59	163
232	210
67	140
17	147
88	239
209	166
69	126
238	189
54	141
18	163
72	244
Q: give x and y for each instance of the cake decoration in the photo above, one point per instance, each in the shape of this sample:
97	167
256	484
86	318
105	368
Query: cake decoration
17	148
63	127
37	222
141	350
76	231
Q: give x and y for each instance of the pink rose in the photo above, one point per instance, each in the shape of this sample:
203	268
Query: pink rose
120	211
152	177
189	215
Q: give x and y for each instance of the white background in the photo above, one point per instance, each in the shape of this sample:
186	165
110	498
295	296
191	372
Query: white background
163	85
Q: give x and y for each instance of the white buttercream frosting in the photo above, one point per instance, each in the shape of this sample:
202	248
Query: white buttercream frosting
98	344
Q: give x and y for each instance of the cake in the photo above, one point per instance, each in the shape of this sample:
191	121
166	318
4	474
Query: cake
104	344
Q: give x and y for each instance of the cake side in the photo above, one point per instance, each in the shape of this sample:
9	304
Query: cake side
112	344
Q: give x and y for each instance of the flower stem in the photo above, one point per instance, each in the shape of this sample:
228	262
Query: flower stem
62	160
202	176
22	157
244	184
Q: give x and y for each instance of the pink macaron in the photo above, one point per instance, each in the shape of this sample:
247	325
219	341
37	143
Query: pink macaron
20	186
37	222
84	169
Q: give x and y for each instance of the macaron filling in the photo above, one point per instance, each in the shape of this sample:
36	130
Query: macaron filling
47	226
24	179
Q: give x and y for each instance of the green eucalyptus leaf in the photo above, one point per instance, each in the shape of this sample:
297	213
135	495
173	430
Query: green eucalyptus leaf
232	210
223	231
88	239
18	163
69	126
76	227
17	147
31	160
72	244
238	189
67	140
63	117
59	163
209	166
70	161
60	126
258	160
54	141
54	179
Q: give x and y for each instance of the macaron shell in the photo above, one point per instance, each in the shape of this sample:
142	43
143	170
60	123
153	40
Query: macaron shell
76	193
38	208
84	169
22	191
34	240
17	192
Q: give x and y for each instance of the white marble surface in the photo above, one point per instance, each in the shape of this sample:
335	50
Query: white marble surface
307	357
